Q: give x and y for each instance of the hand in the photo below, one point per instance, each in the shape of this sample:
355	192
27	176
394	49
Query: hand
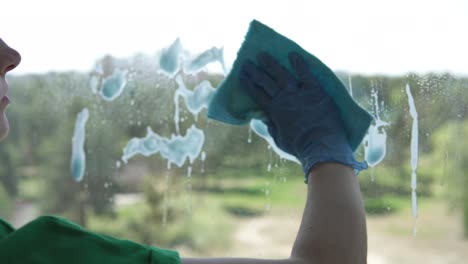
301	117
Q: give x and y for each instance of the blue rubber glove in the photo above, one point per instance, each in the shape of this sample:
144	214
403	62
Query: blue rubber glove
301	117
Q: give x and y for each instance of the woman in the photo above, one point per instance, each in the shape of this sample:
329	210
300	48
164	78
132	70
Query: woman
333	228
9	59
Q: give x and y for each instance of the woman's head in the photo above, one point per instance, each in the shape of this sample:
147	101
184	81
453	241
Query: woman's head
9	59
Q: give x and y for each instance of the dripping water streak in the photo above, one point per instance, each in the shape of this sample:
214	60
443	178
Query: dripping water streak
444	169
166	198
176	103
267	195
203	157
270	158
189	189
414	155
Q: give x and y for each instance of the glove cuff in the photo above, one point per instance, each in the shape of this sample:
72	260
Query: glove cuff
331	149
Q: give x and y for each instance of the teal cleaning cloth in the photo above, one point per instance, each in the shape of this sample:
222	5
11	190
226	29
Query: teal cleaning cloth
232	104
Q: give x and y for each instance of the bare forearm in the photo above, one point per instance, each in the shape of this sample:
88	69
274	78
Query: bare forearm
333	228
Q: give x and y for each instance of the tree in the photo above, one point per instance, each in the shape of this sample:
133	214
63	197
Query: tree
451	148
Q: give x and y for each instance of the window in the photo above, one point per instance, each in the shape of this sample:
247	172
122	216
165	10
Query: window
237	197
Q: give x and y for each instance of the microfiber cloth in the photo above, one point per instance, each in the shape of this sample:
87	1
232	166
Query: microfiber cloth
233	105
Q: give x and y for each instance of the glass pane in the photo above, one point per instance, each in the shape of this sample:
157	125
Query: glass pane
109	128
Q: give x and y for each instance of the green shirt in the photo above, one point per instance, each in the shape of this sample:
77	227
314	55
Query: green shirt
56	240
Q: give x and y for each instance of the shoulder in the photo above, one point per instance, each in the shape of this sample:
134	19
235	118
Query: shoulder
5	228
49	224
51	221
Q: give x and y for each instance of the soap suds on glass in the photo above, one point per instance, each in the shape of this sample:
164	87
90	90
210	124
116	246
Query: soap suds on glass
375	141
209	56
176	149
78	158
262	130
113	85
195	100
169	62
108	85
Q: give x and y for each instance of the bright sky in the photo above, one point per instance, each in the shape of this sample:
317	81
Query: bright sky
361	36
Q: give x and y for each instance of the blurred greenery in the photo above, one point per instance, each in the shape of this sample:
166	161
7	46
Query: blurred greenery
384	204
234	181
5	203
450	152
